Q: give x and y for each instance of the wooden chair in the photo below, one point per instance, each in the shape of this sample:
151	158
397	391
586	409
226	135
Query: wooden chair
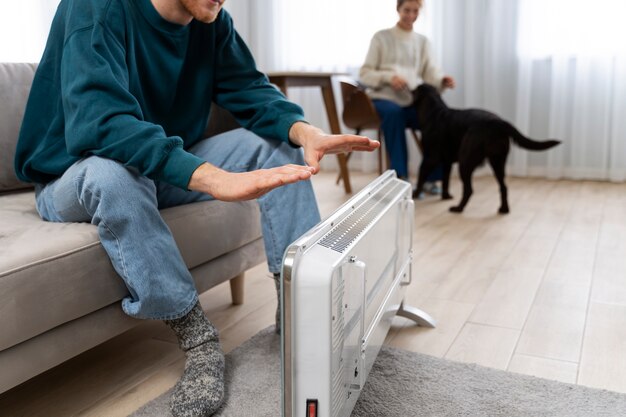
360	114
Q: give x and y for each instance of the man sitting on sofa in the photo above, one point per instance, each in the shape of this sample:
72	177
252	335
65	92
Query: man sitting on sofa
113	132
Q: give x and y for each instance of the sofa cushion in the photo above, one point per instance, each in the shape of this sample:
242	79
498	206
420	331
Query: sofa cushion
15	81
51	273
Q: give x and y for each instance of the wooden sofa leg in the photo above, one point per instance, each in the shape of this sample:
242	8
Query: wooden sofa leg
236	289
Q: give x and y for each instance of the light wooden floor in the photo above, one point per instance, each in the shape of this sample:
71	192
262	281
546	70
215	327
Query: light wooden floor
541	291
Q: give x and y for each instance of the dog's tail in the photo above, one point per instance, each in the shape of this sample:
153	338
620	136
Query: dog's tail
523	141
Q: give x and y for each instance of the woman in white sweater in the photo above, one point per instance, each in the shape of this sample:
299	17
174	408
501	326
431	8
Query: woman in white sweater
398	61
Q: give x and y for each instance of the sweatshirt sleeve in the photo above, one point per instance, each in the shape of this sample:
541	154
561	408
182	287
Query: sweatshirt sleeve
103	118
429	71
246	92
370	74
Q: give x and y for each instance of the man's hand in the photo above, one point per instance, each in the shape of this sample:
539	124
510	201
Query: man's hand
316	143
228	186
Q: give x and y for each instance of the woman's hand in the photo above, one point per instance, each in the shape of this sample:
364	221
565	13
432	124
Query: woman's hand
448	82
398	83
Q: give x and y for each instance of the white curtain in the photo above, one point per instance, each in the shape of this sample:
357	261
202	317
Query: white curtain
24	27
572	61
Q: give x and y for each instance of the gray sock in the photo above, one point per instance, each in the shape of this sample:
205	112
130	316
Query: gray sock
200	391
277	284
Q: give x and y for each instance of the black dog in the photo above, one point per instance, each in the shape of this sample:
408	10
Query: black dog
468	137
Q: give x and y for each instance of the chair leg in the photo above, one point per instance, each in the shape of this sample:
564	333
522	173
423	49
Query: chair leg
236	289
383	151
339	176
348	155
380	153
418	141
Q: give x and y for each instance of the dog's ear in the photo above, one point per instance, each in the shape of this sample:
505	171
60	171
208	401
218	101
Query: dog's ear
429	89
422	91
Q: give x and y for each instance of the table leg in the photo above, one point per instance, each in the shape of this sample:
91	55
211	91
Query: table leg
281	86
333	120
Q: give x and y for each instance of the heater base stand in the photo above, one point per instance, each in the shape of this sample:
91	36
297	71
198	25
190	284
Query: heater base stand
418	316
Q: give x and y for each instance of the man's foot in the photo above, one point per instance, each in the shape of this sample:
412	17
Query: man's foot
200	391
277	284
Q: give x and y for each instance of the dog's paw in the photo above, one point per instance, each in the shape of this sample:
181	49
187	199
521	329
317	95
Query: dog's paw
456	209
446	196
503	210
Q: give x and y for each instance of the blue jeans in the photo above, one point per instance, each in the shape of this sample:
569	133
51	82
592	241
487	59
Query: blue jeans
394	122
124	205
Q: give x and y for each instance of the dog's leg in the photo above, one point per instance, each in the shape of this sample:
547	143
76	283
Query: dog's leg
466	171
420	181
445	182
498	165
426	167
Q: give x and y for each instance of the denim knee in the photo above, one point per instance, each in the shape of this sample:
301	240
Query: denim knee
273	153
291	154
102	178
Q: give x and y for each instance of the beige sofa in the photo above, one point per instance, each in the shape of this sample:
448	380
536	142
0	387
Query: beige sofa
59	294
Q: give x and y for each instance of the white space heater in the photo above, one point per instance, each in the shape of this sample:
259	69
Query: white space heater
342	283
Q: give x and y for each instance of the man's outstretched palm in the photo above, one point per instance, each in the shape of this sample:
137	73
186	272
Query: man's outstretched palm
228	186
316	143
240	186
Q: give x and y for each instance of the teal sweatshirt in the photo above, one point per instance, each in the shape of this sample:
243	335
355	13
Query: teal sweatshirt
118	81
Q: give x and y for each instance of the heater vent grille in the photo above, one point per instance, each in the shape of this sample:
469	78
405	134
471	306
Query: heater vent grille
338	390
346	232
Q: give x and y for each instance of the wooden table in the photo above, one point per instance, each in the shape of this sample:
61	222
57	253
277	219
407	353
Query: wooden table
284	80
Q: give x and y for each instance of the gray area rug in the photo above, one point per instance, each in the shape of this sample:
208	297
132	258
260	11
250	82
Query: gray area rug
405	384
